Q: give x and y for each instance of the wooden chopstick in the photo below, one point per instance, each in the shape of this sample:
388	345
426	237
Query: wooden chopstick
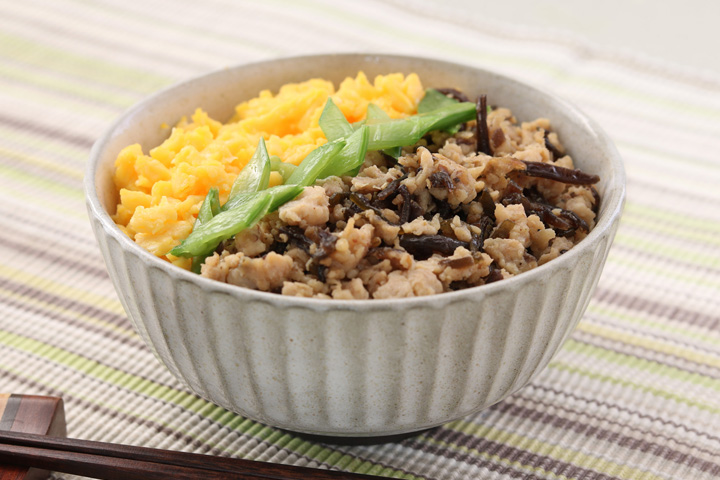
126	462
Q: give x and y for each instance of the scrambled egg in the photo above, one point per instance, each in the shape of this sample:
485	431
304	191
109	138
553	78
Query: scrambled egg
161	191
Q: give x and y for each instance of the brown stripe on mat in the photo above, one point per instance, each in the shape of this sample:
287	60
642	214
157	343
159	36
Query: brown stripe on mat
166	57
46	131
511	454
64	302
54	259
125	340
510	470
46	227
61	178
635	413
106	108
662	310
678	363
561	407
665	259
178	387
593	431
689	196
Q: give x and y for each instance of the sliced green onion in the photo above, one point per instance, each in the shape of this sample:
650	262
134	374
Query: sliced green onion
253	178
434	100
239	213
207	236
315	163
375	113
282	194
256	174
278	194
333	123
210	206
197	263
351	157
407	131
285	169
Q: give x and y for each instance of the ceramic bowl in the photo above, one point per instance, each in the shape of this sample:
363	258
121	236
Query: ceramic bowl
352	367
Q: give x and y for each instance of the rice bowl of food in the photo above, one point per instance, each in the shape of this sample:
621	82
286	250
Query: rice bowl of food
354	245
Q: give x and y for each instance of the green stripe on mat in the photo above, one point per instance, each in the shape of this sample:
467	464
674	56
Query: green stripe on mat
647	366
656	249
71	109
69	87
146	387
667	229
634	207
85	68
253	45
44	143
110	406
607	311
658	153
17	174
51	166
62	289
88	319
656	392
666	273
635	95
19	192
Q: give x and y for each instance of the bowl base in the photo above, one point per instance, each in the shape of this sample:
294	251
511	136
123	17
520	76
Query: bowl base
395	438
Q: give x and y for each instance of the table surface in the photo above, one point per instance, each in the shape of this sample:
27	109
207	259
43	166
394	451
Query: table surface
633	394
684	33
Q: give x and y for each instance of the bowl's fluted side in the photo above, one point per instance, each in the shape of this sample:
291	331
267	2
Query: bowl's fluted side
391	370
341	367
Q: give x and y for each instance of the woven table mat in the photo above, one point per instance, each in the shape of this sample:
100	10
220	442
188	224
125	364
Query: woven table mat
633	394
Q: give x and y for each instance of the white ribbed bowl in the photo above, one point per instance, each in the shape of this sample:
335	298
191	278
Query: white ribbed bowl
340	367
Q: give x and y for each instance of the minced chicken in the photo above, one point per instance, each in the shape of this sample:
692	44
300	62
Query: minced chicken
442	217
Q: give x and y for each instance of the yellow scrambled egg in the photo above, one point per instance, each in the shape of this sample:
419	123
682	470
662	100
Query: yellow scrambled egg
161	191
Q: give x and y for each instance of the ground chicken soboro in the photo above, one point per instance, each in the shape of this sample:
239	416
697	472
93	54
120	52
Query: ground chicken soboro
442	217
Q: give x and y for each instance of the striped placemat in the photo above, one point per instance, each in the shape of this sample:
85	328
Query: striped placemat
635	392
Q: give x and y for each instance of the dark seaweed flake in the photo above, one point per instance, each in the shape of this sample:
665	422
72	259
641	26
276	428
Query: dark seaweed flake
454	94
556	153
441	179
483	135
559	174
423	246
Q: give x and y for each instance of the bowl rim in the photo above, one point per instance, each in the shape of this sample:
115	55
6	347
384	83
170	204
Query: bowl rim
614	202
